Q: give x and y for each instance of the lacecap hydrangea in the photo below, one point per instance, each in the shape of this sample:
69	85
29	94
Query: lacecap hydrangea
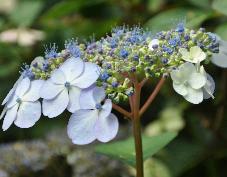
87	79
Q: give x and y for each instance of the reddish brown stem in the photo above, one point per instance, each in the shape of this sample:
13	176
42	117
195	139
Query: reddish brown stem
152	96
137	128
143	82
122	111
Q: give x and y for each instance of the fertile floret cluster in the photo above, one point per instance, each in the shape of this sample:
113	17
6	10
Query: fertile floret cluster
85	78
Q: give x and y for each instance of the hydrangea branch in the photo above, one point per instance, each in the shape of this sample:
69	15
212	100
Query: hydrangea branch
152	96
122	111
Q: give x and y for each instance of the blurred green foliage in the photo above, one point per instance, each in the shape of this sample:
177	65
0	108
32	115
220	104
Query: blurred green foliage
200	149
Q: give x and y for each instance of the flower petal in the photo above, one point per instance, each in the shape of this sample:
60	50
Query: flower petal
185	54
50	90
197	55
176	76
53	108
106	108
58	77
28	114
106	128
88	77
197	80
194	96
209	88
3	113
74	99
33	93
180	89
81	126
12	102
87	100
10	117
12	91
219	59
99	94
186	69
23	87
72	68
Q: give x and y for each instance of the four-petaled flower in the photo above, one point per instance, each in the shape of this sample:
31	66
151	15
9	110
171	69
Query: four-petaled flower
194	55
21	104
94	120
63	88
192	84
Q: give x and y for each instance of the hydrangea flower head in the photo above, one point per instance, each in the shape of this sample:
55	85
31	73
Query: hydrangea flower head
81	77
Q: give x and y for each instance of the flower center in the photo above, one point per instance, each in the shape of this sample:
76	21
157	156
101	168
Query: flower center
98	106
67	85
18	100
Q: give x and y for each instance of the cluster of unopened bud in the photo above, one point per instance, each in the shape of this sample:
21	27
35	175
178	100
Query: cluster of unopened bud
124	52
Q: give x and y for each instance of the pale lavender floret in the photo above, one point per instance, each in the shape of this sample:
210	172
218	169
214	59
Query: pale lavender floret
94	120
51	51
220	58
72	47
23	107
63	89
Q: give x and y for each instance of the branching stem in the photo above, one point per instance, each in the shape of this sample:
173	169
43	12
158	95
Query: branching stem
135	116
152	96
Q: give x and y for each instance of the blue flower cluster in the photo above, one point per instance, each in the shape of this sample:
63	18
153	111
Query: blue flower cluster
125	51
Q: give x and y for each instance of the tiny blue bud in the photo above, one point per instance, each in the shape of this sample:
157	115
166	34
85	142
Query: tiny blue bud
164	60
136	57
114	84
186	37
180	28
123	53
104	76
133	69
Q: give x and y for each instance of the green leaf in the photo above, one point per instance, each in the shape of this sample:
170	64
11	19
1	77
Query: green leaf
169	19
221	30
9	62
182	155
67	7
155	5
201	3
220	6
26	12
125	151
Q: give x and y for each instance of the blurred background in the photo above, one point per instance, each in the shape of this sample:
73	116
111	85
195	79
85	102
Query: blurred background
200	150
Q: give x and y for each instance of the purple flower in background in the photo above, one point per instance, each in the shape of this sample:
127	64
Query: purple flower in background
63	89
21	104
94	120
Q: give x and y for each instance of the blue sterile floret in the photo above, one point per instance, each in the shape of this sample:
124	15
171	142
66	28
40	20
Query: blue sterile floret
72	47
51	51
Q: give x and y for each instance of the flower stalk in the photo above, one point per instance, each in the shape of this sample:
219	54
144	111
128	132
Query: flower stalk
135	115
137	128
